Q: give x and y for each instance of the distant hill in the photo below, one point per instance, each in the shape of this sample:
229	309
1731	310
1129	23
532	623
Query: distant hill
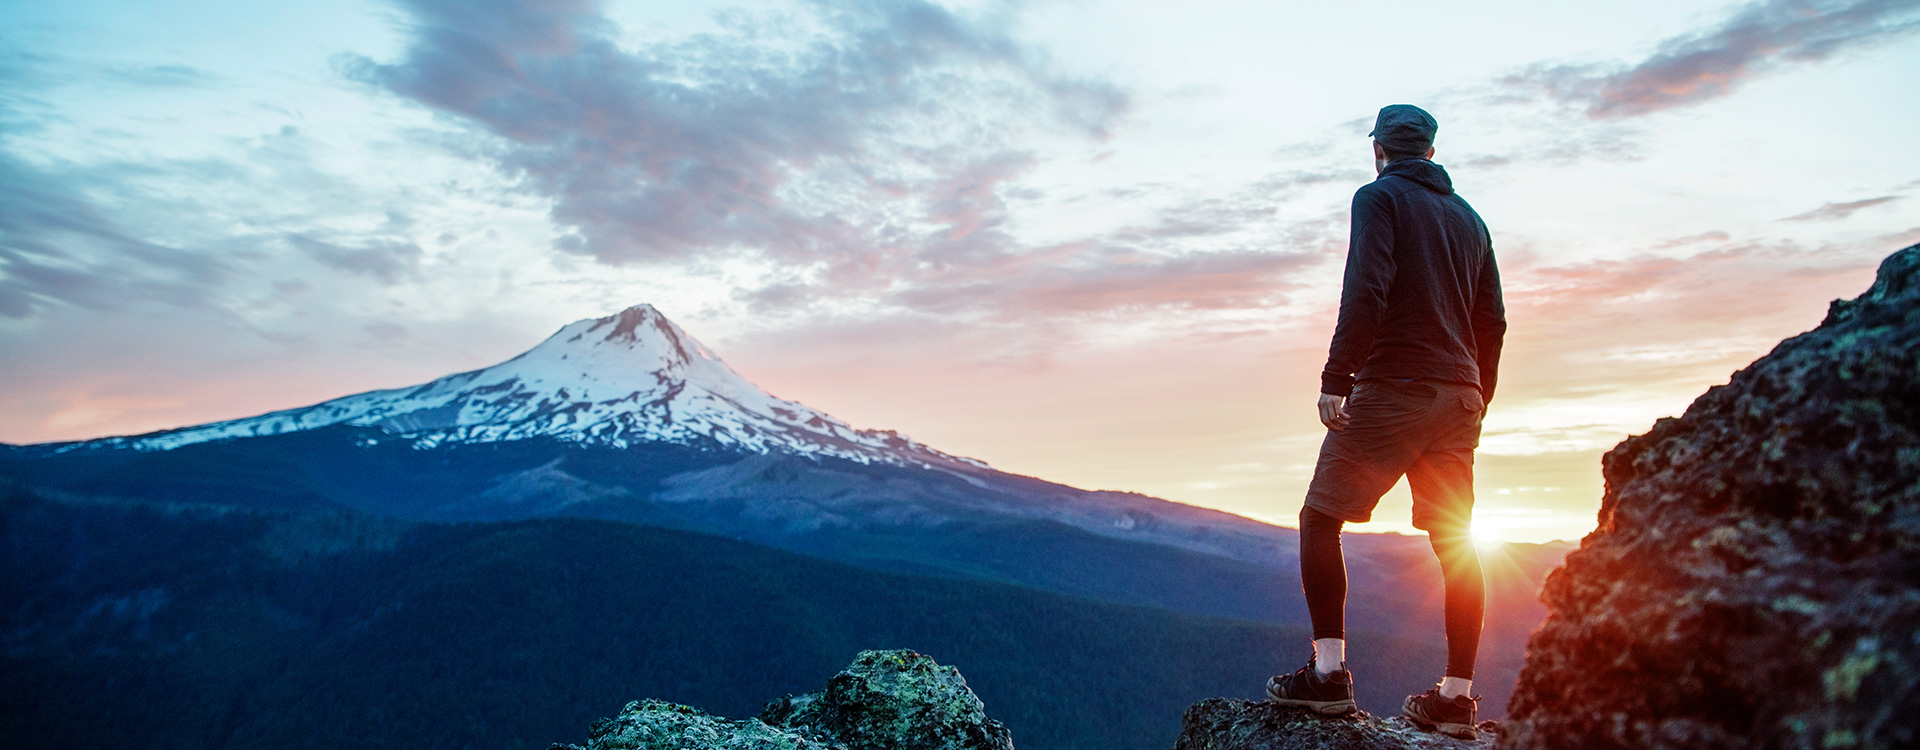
195	626
877	516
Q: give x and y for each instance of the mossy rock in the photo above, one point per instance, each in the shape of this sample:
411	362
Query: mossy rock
659	725
891	700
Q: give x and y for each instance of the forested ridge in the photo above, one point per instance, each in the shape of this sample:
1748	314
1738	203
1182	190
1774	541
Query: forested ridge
205	626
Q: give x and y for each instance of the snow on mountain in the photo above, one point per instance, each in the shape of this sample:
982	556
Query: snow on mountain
618	381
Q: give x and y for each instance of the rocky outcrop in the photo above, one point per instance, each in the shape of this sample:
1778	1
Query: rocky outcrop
1228	724
899	700
894	699
659	725
1755	578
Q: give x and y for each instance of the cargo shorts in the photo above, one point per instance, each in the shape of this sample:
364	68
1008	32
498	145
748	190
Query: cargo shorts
1423	430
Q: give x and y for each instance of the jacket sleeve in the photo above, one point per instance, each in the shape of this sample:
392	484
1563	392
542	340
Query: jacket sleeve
1489	324
1363	292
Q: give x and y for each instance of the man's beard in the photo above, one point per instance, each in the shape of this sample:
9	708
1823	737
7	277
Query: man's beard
1379	164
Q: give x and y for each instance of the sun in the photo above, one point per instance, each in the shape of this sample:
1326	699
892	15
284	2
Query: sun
1485	534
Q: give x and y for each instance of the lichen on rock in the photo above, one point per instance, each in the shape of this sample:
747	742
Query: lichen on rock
900	700
1755	577
894	699
659	725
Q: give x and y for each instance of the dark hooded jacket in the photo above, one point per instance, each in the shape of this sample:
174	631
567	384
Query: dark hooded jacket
1421	299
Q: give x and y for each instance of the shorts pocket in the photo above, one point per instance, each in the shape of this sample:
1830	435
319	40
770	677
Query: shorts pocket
1384	403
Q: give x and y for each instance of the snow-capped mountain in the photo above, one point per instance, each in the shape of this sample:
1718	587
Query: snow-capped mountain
615	381
628	419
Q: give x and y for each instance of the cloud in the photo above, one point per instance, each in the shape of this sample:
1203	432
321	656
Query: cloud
1197	253
807	139
1211	215
58	246
251	238
168	76
1713	236
1758	38
390	261
1837	211
859	150
1120	281
40	71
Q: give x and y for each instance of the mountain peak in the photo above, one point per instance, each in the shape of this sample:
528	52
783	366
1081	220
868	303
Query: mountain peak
621	380
632	320
640	329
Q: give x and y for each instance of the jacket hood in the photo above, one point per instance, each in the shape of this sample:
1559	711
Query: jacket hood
1430	175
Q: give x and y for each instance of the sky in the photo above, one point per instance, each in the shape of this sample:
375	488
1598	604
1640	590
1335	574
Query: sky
1095	242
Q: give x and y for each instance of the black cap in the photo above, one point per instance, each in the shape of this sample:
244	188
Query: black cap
1404	128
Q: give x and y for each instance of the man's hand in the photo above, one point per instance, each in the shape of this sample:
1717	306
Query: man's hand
1333	411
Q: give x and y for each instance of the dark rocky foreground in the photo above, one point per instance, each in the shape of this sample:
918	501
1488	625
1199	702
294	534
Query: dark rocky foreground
1225	724
1755	578
885	700
902	700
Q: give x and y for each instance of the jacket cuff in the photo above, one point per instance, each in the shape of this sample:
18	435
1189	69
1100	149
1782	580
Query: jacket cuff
1336	384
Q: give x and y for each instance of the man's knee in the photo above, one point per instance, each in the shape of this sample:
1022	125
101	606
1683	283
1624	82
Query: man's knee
1443	515
1450	532
1453	545
1313	521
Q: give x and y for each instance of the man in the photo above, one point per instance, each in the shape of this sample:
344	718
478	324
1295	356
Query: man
1410	371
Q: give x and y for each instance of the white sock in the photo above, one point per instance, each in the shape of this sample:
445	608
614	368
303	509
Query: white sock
1452	687
1329	655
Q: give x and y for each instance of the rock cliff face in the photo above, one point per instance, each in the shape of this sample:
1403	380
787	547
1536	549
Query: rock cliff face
1755	578
885	700
1226	724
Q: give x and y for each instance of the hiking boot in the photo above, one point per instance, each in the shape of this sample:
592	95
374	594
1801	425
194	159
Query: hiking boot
1330	694
1453	717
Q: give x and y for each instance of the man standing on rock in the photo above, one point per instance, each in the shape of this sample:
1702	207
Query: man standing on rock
1412	367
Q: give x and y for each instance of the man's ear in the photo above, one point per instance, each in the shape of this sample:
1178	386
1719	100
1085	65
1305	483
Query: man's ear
1429	156
1379	151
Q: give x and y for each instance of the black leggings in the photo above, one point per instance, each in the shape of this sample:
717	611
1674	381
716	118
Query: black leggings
1323	573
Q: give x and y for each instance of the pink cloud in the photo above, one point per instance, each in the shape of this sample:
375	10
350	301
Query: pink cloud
1837	211
1757	39
1714	236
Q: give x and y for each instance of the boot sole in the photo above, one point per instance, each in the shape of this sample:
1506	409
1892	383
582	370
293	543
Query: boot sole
1328	708
1448	728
